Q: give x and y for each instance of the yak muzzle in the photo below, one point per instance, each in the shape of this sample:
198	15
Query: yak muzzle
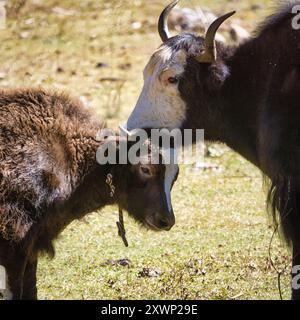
161	221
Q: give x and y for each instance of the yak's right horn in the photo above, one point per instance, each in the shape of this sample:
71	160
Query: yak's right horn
163	29
210	53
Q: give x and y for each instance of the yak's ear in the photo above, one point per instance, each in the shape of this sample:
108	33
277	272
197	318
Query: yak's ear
218	73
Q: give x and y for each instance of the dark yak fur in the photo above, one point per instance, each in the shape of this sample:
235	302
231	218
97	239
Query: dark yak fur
250	100
49	177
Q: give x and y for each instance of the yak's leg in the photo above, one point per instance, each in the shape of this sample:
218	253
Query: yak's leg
291	226
29	282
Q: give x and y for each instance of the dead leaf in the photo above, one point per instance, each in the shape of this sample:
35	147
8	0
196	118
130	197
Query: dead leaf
149	273
252	265
120	262
24	34
136	25
101	65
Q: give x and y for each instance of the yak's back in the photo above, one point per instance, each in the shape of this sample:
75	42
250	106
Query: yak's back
38	134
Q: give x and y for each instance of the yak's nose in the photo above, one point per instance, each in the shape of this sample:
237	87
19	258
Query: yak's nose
165	221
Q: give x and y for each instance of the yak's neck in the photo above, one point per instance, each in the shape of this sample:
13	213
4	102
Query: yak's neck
88	195
241	99
92	194
84	156
89	189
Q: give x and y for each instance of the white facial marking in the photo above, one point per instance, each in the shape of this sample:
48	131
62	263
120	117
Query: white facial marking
170	160
170	174
5	292
160	104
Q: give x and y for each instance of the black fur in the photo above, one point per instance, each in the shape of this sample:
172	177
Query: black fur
250	100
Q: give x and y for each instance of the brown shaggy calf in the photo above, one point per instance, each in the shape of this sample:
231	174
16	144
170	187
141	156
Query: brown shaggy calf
49	176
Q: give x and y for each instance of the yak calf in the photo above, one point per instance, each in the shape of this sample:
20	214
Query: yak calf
49	176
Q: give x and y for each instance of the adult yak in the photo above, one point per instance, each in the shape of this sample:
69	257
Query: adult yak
247	97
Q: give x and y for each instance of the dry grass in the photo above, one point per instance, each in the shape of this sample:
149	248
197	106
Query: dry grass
219	247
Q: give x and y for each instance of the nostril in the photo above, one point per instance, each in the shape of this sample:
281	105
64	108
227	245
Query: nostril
163	223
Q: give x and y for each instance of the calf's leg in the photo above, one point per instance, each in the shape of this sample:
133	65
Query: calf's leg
13	261
15	270
29	281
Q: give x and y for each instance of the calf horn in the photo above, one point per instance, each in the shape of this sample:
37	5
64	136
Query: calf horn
163	29
210	53
125	131
129	134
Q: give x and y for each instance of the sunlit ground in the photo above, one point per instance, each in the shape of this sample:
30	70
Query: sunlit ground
219	248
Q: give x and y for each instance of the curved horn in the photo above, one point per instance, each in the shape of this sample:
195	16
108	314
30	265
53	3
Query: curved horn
163	29
210	54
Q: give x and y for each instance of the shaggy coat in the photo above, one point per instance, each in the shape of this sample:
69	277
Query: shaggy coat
49	176
248	98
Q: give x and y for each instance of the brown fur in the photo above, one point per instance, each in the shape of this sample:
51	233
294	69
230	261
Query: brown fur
49	177
47	147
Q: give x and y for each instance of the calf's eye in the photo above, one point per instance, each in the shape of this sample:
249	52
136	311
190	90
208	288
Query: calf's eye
173	80
146	171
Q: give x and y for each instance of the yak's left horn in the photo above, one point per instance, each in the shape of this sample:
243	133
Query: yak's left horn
163	29
210	53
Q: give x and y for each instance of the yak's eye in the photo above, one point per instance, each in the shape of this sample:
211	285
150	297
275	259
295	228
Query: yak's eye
173	80
146	171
